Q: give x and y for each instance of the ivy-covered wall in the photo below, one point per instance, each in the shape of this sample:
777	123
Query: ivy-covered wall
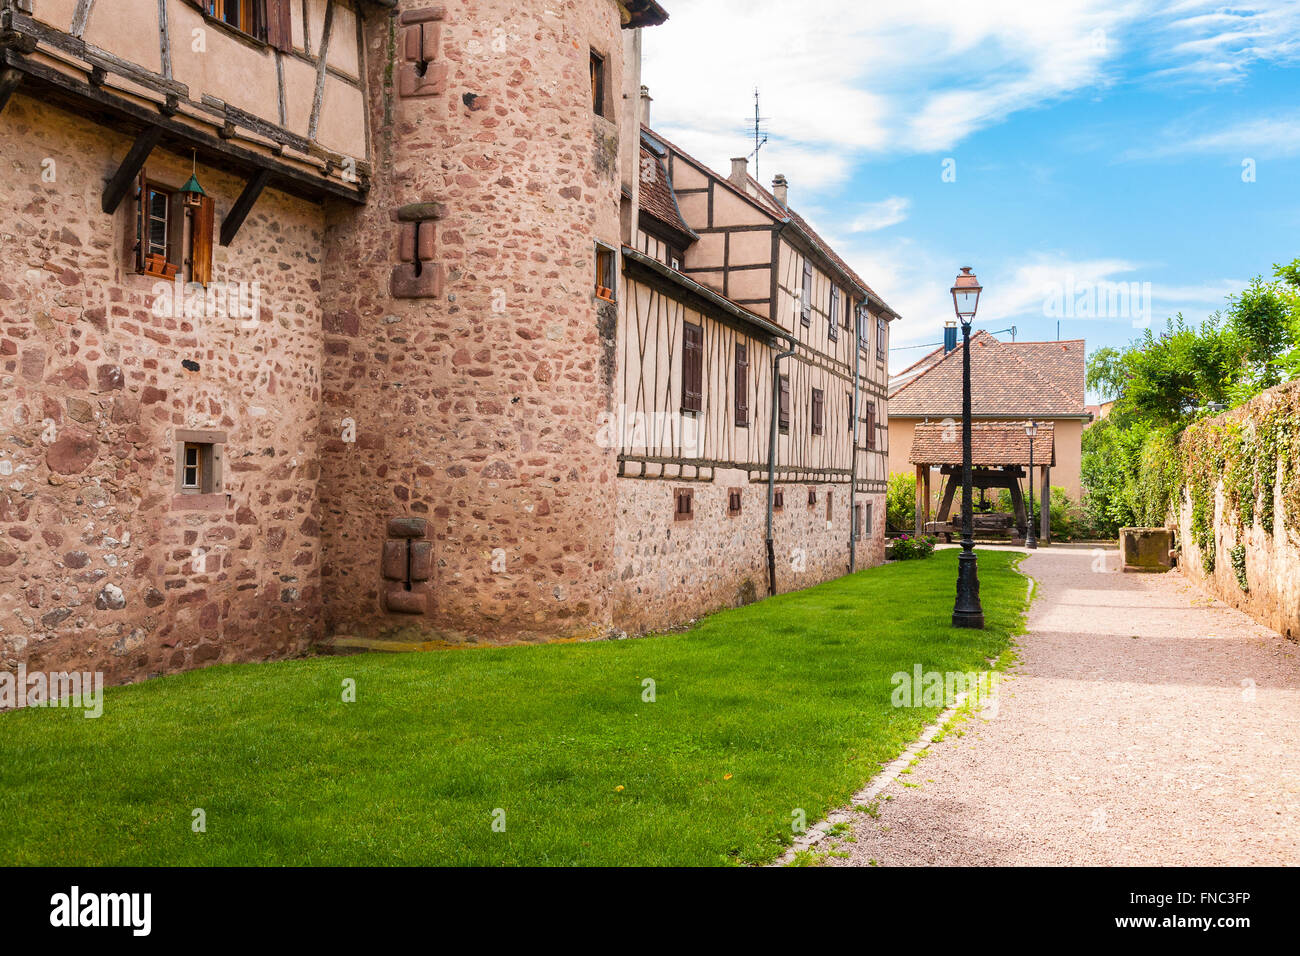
1237	505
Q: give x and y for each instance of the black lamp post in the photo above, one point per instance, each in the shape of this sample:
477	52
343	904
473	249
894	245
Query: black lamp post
1031	429
967	612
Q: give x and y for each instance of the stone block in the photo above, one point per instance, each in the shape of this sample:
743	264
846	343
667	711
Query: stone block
1146	549
398	600
394	562
407	527
406	284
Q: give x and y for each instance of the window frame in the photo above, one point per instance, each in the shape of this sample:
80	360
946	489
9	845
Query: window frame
783	405
817	405
805	295
209	454
599	85
881	328
606	270
734	502
833	320
687	496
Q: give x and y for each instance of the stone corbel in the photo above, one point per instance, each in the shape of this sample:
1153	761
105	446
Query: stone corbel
423	71
417	276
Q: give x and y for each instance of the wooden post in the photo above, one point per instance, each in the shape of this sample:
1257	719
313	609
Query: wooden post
919	508
1045	506
1018	504
924	523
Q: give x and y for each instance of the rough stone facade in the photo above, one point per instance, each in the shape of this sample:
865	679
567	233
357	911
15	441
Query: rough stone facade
102	565
672	571
476	409
409	418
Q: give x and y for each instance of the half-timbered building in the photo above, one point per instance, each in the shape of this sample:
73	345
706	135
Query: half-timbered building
750	395
334	322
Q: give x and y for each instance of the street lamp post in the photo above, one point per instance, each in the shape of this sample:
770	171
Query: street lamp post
967	612
1031	542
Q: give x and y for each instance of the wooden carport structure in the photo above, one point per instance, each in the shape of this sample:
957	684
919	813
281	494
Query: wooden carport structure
999	459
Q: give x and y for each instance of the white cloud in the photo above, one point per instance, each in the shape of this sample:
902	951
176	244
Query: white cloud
1257	138
875	216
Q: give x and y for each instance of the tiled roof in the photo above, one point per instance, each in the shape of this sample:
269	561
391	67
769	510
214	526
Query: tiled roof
786	212
1008	379
765	201
657	198
992	443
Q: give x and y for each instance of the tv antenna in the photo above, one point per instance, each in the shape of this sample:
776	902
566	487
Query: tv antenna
760	138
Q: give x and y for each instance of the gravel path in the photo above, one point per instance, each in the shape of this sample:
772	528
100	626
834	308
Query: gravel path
1145	724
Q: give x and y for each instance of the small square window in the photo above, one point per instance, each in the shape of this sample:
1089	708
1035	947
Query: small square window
733	502
829	496
812	498
778	500
198	462
857	521
685	504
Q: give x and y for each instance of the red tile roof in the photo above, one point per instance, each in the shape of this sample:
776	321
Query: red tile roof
1012	379
765	201
992	443
656	193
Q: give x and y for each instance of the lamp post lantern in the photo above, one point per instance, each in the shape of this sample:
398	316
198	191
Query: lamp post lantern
967	612
1031	542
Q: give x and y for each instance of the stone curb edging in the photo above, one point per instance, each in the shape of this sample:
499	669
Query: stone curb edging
890	772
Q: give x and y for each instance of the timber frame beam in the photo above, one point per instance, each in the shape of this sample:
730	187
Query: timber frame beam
9	80
243	205
129	171
101	105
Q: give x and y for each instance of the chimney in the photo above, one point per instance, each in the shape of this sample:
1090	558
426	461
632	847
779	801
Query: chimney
646	100
949	336
781	189
740	173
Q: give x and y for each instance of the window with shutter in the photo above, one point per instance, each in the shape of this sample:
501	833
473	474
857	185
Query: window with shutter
201	241
805	300
828	505
857	521
692	368
818	407
881	328
833	323
778	499
733	502
783	420
871	425
742	385
685	504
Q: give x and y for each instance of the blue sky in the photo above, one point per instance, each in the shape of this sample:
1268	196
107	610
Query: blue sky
1092	144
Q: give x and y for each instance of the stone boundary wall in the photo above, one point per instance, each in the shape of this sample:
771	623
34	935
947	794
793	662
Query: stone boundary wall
1266	560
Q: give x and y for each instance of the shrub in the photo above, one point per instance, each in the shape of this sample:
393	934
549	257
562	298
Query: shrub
900	502
910	546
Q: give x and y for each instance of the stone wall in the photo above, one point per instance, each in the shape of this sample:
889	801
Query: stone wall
1264	551
671	571
102	565
476	404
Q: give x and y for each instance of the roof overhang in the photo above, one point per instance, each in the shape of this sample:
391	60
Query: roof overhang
641	13
64	71
701	298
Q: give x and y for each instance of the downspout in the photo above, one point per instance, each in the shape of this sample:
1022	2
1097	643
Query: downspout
853	447
771	460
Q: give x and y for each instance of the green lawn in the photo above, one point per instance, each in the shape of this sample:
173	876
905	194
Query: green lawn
759	711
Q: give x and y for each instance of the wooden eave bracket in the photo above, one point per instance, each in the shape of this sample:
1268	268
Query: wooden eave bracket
129	171
9	81
243	205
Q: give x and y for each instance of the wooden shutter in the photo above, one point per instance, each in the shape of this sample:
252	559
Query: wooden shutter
833	323
784	419
805	303
692	368
201	241
141	219
871	424
279	25
742	384
818	406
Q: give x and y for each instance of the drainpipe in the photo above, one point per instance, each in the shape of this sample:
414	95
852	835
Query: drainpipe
771	460
853	446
